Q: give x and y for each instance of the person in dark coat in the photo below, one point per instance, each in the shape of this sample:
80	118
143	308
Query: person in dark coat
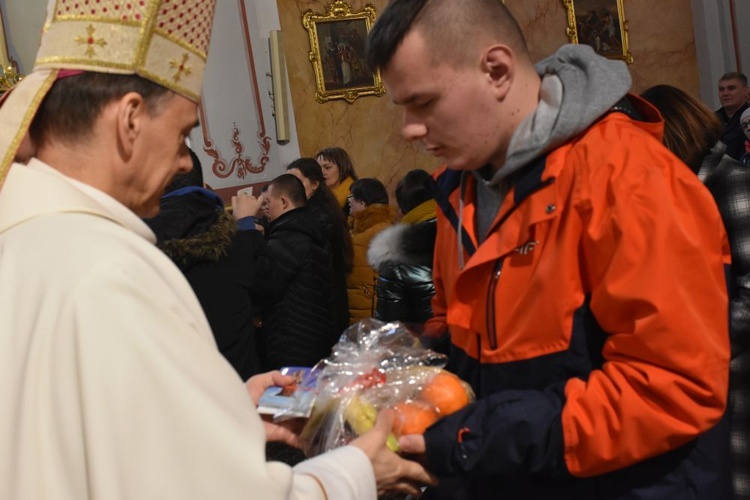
297	315
323	204
202	239
402	254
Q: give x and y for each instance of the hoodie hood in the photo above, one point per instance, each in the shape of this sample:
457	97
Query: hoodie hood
578	86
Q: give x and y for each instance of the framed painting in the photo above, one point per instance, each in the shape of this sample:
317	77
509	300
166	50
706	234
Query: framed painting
600	24
337	52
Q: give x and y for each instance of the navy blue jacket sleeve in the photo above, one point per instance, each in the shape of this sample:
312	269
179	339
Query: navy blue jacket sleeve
501	434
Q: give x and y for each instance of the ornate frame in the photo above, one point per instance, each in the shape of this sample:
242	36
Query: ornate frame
577	25
340	69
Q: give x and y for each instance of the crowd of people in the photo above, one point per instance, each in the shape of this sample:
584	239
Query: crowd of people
582	259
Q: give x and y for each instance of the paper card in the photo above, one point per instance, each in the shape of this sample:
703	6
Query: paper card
292	401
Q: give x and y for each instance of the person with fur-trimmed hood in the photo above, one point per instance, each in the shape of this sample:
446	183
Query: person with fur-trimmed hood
202	239
403	254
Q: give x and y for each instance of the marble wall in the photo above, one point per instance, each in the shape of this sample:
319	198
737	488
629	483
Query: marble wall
661	42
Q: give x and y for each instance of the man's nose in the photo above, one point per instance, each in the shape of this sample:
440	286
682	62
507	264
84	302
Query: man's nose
185	163
412	128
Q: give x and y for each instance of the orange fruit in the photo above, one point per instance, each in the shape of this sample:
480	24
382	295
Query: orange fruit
446	392
413	417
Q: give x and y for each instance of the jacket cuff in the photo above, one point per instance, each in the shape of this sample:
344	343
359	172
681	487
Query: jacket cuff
505	433
246	223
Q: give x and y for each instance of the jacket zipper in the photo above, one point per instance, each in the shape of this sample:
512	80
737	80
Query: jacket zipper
491	313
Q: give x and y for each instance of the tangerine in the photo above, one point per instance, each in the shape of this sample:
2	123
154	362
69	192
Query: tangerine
413	417
446	392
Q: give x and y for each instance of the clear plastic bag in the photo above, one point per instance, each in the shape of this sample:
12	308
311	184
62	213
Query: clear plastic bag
378	365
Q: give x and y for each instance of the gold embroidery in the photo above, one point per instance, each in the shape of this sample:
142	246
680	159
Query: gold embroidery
90	41
181	68
24	126
182	43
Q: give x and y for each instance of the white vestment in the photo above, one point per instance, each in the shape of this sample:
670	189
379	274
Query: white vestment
111	384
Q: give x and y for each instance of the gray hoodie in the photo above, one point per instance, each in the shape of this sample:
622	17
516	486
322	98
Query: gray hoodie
578	87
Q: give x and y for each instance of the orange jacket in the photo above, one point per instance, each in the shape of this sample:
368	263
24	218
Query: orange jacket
592	321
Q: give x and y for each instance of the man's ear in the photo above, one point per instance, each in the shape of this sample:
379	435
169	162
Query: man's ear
499	65
284	202
130	111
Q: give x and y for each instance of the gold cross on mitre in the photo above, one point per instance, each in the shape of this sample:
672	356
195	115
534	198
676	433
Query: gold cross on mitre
91	41
181	68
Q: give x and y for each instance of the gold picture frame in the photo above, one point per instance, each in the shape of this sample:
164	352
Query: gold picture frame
341	71
600	24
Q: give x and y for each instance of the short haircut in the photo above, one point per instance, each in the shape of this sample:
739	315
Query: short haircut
74	103
342	160
690	128
369	191
189	179
291	187
449	27
734	75
413	190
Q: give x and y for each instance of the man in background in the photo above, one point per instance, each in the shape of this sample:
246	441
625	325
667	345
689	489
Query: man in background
733	95
297	313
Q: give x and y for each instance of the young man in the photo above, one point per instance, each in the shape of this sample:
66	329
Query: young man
733	94
297	313
111	383
580	272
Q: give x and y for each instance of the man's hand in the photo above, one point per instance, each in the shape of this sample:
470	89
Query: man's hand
257	384
246	205
413	444
287	431
392	473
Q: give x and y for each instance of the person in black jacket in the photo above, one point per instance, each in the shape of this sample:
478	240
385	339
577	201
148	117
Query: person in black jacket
297	318
195	231
323	204
403	254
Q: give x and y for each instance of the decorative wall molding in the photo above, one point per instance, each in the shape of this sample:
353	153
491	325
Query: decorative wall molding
243	166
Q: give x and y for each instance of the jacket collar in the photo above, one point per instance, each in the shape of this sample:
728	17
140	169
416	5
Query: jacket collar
372	215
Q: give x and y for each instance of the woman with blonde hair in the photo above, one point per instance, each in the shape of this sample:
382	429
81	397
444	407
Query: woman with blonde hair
691	131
